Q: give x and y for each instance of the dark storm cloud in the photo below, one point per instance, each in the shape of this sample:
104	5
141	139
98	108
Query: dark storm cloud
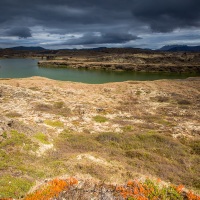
21	32
105	38
165	16
110	18
160	15
63	13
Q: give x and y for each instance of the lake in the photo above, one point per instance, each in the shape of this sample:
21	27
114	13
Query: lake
21	68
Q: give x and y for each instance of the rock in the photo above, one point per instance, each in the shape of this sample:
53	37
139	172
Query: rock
10	123
100	109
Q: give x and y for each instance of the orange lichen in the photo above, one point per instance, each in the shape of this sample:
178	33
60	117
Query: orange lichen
149	190
179	188
192	196
133	190
158	180
52	189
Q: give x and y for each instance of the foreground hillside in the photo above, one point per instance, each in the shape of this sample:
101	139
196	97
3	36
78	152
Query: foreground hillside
111	132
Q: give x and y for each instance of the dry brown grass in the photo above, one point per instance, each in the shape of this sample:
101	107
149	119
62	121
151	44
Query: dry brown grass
149	153
57	108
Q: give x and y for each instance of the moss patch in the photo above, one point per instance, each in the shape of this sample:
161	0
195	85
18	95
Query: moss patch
13	187
54	123
100	119
42	138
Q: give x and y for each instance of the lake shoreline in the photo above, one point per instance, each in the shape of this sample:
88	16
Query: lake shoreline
113	59
121	66
22	68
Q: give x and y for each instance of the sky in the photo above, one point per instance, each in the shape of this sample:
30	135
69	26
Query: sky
62	24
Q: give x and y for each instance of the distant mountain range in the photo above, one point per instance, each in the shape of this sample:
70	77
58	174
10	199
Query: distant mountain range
175	48
170	48
22	48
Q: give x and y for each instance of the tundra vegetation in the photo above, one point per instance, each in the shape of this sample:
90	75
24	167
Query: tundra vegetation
103	135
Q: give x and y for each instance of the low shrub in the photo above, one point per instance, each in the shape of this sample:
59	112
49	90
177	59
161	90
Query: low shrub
184	102
108	137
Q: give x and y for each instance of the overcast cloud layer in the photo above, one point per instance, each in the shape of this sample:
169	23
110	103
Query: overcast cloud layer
93	23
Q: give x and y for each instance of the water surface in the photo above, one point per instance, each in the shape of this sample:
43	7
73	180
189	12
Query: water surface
21	68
